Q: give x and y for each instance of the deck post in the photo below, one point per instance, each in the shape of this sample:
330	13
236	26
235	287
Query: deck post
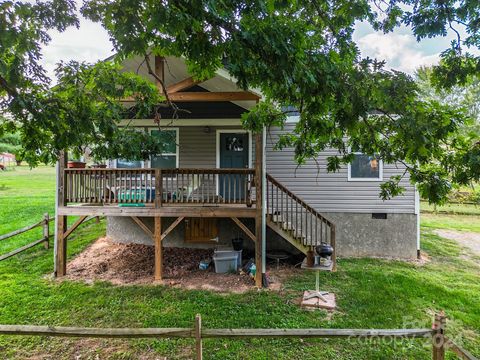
259	208
60	220
158	248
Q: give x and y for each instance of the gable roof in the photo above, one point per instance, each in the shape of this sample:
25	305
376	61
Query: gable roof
176	71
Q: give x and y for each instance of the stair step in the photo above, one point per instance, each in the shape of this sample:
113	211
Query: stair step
277	218
298	234
289	235
288	226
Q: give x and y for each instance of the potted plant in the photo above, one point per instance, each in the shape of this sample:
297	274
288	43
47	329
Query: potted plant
76	164
76	161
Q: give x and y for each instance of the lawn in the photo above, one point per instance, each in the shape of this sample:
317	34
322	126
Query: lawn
371	294
454	209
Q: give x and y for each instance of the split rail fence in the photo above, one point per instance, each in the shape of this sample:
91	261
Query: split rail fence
45	240
440	343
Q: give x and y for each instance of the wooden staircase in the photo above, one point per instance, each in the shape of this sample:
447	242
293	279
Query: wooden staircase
296	221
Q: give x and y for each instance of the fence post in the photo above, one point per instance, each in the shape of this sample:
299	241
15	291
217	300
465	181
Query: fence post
438	337
198	337
46	231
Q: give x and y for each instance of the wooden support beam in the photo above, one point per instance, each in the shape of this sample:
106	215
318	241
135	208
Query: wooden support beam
158	248
182	85
206	96
258	210
143	226
213	96
160	72
164	211
60	220
245	229
72	228
171	227
61	246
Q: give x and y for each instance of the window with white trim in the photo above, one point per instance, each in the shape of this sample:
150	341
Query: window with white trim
168	159
365	168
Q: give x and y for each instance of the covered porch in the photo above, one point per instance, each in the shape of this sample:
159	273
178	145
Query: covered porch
171	196
211	168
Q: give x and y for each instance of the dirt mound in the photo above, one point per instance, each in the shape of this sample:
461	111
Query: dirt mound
126	264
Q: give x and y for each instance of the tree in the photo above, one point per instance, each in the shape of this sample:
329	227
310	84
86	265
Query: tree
466	96
299	53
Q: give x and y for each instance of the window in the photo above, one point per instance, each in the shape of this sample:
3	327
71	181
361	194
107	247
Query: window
126	164
169	157
129	164
234	143
365	168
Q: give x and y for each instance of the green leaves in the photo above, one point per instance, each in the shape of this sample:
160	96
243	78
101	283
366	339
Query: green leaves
300	54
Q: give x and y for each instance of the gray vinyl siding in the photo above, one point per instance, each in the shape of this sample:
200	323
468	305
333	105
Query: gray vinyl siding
198	149
332	192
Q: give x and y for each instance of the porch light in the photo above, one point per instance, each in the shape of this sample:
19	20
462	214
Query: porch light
206	129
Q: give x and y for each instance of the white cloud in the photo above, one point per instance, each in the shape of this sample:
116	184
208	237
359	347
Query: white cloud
400	51
88	43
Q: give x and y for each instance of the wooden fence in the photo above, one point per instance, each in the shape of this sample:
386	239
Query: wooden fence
440	343
44	223
44	240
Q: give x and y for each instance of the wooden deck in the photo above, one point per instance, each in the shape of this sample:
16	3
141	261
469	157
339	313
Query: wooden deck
173	210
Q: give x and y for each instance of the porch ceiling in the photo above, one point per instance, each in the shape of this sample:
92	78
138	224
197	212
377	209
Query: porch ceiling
176	71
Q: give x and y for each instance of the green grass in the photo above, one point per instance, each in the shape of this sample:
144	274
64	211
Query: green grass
370	293
448	221
453	209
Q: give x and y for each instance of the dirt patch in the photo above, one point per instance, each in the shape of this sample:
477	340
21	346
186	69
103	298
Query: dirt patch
129	264
470	240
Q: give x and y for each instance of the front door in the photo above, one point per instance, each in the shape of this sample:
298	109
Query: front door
233	154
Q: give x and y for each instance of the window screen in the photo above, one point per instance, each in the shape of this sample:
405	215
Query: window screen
365	167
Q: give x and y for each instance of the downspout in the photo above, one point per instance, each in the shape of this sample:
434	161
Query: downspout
57	170
417	212
264	205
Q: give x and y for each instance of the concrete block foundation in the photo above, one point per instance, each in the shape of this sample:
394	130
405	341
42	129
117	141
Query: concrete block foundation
358	234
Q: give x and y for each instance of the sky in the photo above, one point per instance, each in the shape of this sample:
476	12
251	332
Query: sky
399	49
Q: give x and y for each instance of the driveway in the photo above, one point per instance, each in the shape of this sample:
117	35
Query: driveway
470	240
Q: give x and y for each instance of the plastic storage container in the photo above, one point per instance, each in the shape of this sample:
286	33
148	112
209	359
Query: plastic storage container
230	253
225	264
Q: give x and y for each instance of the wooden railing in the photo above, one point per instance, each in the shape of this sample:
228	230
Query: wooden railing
300	219
159	186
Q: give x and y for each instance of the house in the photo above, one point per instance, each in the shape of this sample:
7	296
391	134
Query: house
7	159
216	181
